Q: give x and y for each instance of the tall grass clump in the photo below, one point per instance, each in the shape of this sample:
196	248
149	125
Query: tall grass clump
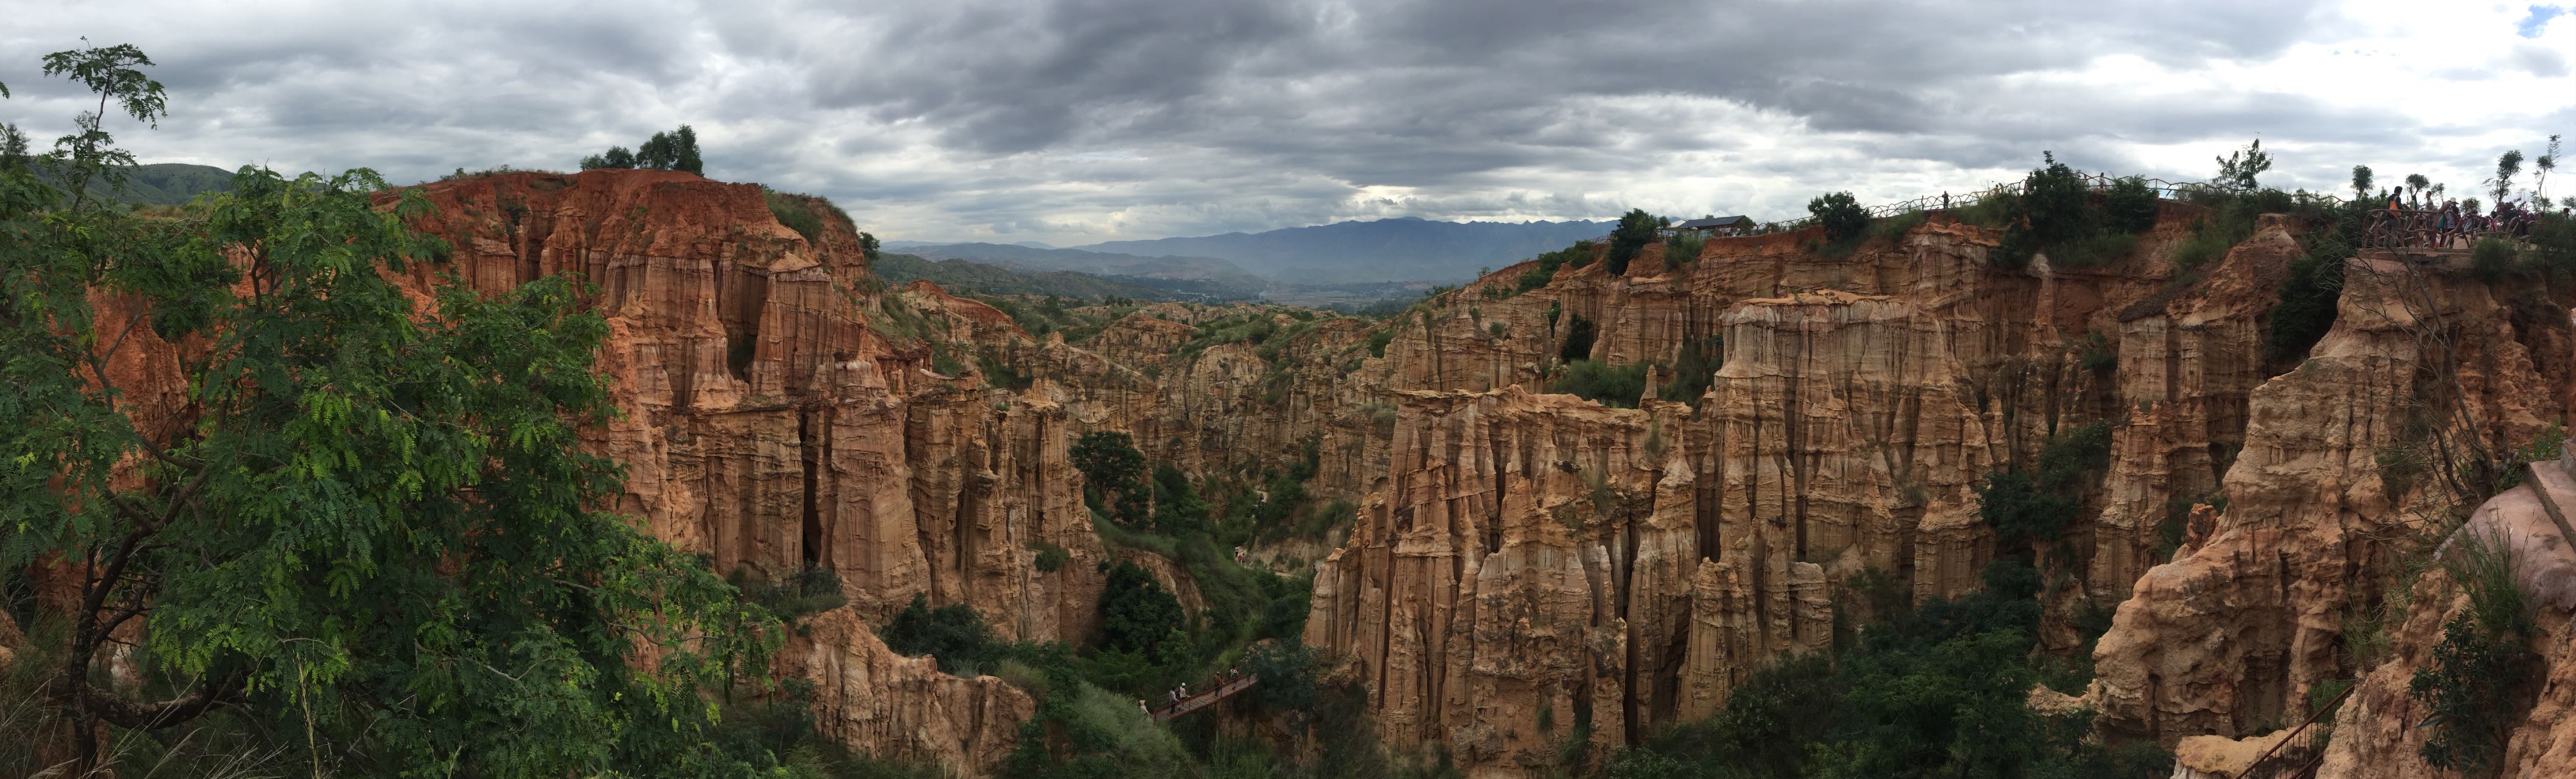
2478	682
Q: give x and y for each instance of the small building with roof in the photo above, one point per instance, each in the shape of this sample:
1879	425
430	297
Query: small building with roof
1717	225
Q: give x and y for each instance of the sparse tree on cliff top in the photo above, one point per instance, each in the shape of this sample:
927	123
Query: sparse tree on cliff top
2540	186
1635	230
358	527
2361	180
2238	170
1840	214
671	150
2508	165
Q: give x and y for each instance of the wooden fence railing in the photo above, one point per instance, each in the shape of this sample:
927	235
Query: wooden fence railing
1205	699
2097	182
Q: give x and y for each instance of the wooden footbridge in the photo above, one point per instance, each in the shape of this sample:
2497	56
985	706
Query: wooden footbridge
1205	699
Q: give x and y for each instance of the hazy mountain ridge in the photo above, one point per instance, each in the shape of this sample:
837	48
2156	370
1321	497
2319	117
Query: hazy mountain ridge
964	276
1405	248
164	183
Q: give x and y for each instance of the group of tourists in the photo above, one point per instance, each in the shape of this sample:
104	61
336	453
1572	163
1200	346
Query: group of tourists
2410	219
1175	696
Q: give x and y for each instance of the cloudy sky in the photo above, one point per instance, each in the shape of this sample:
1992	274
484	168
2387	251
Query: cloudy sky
1077	121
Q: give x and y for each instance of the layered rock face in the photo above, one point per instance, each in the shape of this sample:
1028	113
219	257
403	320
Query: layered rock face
1483	593
2379	729
1860	404
902	708
768	424
773	425
2226	637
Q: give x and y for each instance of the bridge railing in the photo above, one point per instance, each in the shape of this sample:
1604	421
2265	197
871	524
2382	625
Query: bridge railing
1205	699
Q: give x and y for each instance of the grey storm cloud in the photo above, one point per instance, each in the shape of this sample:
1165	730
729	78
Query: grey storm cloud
1074	121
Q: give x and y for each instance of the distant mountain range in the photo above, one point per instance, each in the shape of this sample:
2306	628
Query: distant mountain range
964	276
1403	249
1035	260
1384	250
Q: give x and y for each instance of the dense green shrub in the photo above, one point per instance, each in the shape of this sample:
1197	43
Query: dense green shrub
1683	248
1578	340
1378	340
1113	474
1696	370
2097	354
953	634
793	213
1136	613
1538	275
1001	374
2130	205
1635	230
2494	260
2021	511
2477	684
1178	508
1051	556
811	590
2307	306
2041	503
2057	213
1840	215
1765	730
1939	691
1616	386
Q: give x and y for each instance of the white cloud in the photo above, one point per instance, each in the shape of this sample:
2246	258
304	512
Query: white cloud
1076	121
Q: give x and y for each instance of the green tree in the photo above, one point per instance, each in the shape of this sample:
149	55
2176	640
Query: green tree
1840	214
954	634
1113	474
684	151
2542	167
618	157
1635	230
656	153
2238	170
1178	507
2361	180
368	517
1136	613
2508	165
113	73
2131	205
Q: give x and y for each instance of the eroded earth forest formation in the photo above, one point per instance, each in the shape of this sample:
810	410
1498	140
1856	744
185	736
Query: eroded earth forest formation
629	470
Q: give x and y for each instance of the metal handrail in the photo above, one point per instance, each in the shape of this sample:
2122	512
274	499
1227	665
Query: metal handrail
2310	761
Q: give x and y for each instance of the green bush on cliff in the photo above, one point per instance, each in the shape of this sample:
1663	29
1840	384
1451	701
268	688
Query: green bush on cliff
2479	680
954	634
1113	475
1616	386
1635	230
1841	216
1937	692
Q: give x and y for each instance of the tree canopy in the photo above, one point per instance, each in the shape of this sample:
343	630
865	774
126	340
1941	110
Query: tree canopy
668	150
357	524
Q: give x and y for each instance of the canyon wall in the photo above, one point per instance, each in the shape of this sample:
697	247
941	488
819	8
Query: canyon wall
1861	402
777	417
1528	568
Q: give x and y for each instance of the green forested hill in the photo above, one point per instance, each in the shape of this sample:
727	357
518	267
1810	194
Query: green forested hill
163	183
